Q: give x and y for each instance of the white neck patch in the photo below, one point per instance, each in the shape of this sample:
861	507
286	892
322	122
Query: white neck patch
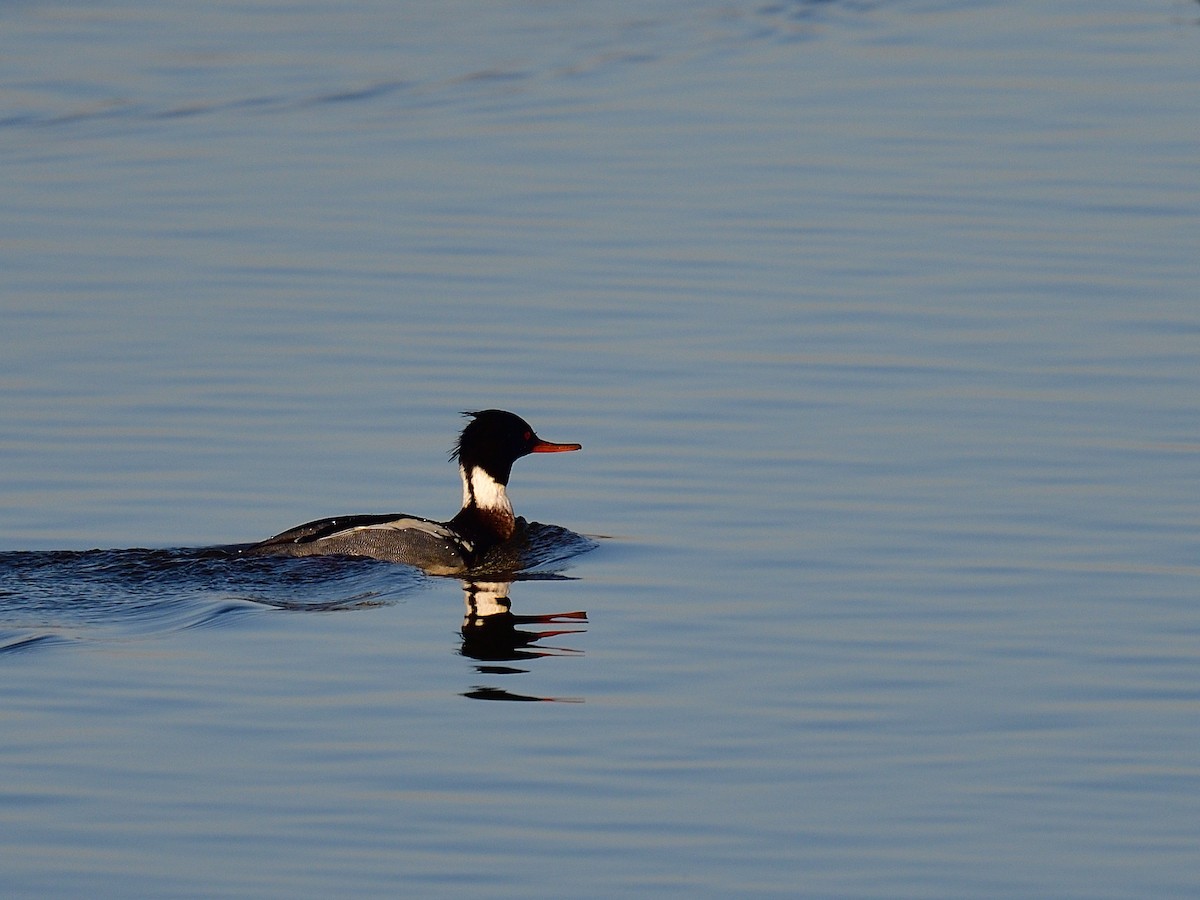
488	492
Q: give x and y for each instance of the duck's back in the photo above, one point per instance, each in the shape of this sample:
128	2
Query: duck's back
395	538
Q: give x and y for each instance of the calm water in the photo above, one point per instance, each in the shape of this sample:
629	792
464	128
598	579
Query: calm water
878	323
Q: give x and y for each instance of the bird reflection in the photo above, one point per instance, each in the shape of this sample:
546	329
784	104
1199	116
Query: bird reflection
490	635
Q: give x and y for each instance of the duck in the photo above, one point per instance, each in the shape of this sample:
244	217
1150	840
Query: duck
485	451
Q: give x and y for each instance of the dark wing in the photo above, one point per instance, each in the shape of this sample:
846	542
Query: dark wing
324	528
396	538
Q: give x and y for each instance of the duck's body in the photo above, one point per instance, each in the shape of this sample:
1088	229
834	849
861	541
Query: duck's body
486	450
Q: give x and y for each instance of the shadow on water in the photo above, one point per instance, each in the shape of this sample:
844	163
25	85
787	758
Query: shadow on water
491	635
49	598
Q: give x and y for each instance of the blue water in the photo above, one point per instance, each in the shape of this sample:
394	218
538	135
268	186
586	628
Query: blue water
877	323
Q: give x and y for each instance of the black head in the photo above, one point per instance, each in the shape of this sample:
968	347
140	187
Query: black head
494	439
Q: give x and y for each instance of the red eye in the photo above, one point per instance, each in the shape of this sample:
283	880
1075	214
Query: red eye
528	435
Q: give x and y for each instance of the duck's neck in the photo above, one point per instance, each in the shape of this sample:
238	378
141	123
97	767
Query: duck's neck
486	515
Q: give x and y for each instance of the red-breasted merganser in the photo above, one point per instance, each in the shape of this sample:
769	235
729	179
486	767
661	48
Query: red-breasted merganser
486	450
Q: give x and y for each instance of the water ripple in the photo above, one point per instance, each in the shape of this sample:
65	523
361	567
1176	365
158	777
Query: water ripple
55	596
184	84
73	595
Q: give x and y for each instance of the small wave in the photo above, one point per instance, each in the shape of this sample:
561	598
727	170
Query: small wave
107	594
537	550
22	643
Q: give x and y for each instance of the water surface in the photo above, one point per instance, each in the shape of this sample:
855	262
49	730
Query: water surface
876	322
